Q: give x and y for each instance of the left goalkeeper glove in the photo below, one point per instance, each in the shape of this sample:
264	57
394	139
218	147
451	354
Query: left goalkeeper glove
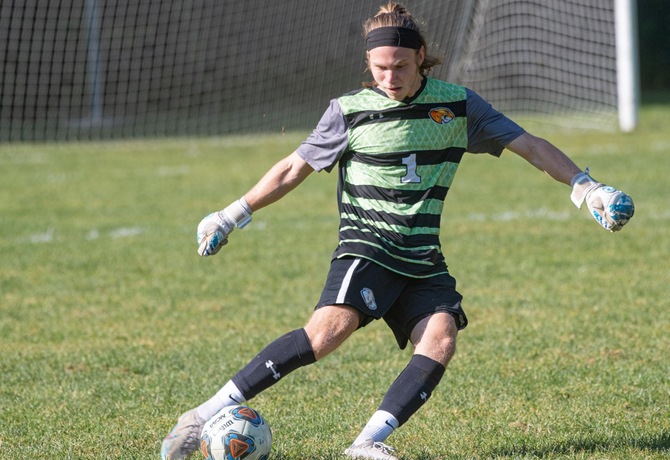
610	207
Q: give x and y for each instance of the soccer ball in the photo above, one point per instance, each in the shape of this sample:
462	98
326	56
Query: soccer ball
236	433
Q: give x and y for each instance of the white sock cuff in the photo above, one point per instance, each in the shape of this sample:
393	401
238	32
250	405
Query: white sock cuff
379	427
382	417
228	395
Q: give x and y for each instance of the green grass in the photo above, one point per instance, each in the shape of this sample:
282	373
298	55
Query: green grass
111	325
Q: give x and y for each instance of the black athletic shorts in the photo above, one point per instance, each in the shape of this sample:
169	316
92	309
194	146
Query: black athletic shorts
400	300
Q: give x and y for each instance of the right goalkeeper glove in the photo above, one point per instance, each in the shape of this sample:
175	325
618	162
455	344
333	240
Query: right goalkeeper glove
214	229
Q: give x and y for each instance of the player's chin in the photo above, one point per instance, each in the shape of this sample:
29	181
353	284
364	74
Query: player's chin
396	94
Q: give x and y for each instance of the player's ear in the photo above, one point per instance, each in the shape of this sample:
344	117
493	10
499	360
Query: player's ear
421	55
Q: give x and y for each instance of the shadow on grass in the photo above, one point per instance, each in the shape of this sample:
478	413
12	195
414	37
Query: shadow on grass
649	442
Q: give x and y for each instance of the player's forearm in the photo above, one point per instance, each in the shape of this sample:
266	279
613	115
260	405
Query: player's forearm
214	229
283	177
545	157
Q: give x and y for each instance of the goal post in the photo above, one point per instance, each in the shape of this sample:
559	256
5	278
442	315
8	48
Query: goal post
628	84
96	69
570	62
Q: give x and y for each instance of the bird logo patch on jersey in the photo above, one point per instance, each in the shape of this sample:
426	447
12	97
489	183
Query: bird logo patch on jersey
369	298
441	115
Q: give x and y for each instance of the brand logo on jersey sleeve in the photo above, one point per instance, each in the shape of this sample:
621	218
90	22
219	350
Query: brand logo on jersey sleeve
441	115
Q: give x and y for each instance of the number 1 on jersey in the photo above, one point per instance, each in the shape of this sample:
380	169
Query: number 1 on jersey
411	177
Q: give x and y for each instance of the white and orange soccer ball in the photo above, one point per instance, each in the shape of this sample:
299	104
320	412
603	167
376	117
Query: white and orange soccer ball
236	433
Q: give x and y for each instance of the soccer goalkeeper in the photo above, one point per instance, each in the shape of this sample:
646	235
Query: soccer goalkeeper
396	143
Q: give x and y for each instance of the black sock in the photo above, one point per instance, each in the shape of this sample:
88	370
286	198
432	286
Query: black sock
412	388
278	359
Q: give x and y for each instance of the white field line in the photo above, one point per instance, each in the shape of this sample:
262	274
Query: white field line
48	236
508	216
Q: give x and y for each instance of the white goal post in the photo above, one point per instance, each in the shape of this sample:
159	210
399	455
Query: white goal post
628	78
572	60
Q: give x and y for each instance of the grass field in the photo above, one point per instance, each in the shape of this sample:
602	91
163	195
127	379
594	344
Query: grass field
111	325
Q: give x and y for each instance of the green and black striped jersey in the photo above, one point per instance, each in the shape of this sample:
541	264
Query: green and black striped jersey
397	161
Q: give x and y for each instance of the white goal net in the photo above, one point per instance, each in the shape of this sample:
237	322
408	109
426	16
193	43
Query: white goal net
101	69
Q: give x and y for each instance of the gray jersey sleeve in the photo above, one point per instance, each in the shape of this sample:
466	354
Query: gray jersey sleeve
489	131
329	140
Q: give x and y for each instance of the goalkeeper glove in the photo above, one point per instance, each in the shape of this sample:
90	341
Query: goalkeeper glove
610	207
214	229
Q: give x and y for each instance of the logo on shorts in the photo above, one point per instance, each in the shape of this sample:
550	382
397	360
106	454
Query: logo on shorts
369	298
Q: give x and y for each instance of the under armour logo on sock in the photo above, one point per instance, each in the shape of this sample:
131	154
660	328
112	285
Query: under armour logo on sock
270	365
424	396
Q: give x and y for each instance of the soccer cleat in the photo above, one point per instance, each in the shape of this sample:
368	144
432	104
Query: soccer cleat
184	438
371	449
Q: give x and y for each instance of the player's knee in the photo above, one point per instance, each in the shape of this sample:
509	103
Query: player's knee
442	349
448	347
320	343
435	337
329	327
325	340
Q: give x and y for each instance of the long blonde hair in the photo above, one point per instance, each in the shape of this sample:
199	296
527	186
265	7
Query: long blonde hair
394	14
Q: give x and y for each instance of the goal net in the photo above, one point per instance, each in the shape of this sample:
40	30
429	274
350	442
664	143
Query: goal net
103	69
